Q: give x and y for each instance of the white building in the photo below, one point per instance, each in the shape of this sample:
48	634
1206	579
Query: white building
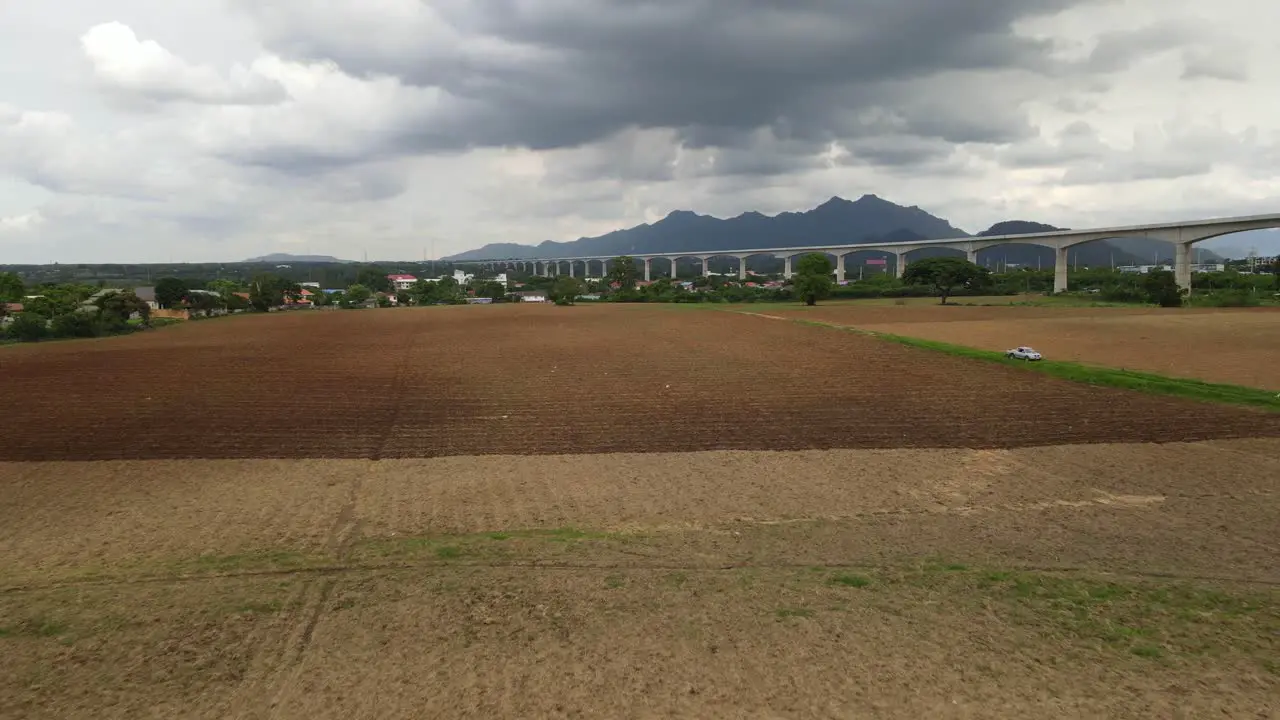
402	282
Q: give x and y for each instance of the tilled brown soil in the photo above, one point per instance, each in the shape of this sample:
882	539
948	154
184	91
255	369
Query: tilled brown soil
1235	346
1130	581
545	380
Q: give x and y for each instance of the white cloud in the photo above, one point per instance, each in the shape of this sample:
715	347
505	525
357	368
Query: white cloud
144	70
390	126
26	223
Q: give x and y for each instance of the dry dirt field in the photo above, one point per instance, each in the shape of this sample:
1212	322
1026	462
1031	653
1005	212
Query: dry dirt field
617	512
1229	345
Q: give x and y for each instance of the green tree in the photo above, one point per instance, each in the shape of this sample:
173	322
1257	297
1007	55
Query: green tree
812	281
565	291
28	327
357	294
1161	288
491	289
235	302
945	274
116	308
76	324
198	302
623	272
11	288
374	278
170	291
268	290
225	288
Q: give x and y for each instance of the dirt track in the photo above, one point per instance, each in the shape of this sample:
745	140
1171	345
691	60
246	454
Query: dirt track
535	380
1235	346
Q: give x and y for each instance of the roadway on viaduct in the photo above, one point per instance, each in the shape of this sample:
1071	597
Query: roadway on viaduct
1182	234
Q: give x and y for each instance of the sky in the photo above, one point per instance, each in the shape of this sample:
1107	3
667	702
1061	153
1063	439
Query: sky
215	130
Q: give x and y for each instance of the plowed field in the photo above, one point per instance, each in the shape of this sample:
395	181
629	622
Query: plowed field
537	380
1235	346
603	511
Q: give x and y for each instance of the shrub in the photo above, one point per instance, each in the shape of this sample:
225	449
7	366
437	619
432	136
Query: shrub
1123	294
28	327
1226	298
76	325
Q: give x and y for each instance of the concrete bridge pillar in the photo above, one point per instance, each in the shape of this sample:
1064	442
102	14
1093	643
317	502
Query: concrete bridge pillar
742	267
972	256
786	268
1182	265
839	268
1060	270
900	265
571	264
675	262
604	267
648	269
706	266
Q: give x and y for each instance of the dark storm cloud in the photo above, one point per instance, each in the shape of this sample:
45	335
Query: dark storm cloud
561	73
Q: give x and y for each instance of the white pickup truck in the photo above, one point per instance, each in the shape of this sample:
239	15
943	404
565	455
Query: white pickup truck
1023	353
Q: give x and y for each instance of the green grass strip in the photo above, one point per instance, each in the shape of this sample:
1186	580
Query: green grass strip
1094	375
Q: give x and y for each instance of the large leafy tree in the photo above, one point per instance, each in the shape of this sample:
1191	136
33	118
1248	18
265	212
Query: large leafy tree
224	288
623	272
205	303
1161	288
357	294
374	278
116	308
945	274
491	289
11	288
268	290
170	291
812	281
565	291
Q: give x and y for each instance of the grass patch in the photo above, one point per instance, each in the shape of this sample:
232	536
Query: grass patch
491	543
271	559
38	627
854	581
448	552
784	613
1092	375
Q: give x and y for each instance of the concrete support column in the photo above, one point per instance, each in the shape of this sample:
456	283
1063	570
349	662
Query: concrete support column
742	267
674	262
706	266
839	268
571	264
900	265
786	268
1060	270
604	268
972	256
1182	265
648	269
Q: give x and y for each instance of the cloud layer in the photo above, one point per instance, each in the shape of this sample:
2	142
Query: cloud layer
398	127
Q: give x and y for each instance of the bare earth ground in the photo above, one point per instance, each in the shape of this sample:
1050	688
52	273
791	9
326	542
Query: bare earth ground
1236	346
916	560
533	380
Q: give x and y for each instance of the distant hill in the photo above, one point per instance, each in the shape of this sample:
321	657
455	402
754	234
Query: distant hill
287	258
837	221
869	219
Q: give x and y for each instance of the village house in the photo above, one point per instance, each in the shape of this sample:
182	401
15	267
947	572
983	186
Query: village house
402	282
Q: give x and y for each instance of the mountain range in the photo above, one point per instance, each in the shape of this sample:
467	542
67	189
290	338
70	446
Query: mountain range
869	219
287	258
